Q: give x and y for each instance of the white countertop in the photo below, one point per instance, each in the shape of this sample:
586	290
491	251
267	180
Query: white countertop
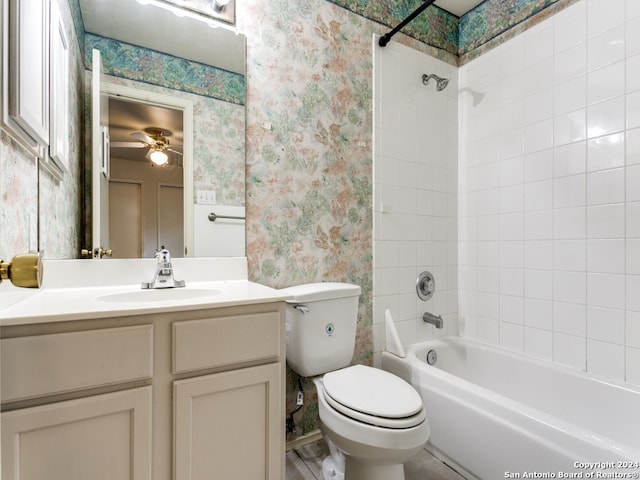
86	289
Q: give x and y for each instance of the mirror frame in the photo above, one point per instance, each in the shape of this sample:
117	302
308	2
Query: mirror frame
186	105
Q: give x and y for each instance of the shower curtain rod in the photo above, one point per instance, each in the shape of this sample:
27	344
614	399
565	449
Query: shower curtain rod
386	38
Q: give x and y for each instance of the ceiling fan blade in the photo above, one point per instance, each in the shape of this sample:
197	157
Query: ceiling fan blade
174	151
143	137
127	145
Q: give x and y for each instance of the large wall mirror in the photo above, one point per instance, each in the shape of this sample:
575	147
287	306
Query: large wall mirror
170	135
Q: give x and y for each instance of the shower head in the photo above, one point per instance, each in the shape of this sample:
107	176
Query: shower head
441	83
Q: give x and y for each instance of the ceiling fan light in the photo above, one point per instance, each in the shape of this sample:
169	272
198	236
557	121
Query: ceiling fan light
158	157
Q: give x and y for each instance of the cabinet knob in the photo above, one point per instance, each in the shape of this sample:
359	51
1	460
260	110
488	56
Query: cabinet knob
23	270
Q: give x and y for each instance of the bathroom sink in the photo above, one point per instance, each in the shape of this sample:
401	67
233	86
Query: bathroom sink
160	295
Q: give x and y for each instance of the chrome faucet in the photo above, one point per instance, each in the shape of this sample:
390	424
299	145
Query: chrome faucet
432	319
164	272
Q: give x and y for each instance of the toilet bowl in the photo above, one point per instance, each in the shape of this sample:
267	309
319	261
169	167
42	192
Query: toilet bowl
376	437
372	420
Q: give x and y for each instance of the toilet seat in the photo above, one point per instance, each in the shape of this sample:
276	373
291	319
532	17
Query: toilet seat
373	396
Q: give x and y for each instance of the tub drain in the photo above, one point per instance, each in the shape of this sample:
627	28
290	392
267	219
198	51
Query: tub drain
432	357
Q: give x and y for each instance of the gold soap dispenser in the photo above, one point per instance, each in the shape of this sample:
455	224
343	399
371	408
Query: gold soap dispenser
24	270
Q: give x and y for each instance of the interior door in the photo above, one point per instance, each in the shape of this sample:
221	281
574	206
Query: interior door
100	160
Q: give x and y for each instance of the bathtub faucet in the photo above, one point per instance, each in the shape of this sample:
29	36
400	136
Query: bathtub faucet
433	319
164	272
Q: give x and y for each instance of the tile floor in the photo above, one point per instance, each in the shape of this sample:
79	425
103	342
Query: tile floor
305	463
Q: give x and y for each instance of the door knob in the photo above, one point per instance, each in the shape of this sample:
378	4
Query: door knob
23	270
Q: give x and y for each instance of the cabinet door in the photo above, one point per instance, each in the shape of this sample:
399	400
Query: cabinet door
29	67
100	437
229	425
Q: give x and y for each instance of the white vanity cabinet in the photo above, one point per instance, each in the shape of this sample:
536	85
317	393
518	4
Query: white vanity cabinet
181	395
57	423
229	424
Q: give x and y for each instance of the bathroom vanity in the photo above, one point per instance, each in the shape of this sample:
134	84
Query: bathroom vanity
107	382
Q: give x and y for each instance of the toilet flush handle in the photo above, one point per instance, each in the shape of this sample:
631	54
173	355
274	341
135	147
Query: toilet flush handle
302	308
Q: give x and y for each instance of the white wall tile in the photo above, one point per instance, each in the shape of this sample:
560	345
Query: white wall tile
605	48
570	27
606	82
570	95
569	223
570	63
570	127
569	287
633	220
606	221
606	186
633	256
633	366
606	256
538	313
632	289
606	325
633	183
570	318
632	80
569	159
538	166
633	146
538	284
538	343
606	290
512	336
570	255
551	159
633	329
569	191
632	36
606	117
538	195
606	152
512	309
538	225
538	254
570	351
603	15
633	110
606	359
632	9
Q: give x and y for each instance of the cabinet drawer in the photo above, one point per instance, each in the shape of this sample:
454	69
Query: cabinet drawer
221	341
62	362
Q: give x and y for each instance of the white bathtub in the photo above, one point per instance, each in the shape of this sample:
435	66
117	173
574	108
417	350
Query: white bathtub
495	414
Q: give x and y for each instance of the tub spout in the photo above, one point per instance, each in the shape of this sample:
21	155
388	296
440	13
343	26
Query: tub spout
433	319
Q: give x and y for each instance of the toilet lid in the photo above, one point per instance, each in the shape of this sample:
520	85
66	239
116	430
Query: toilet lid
374	396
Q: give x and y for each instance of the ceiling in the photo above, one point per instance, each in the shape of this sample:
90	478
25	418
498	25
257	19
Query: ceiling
127	117
458	7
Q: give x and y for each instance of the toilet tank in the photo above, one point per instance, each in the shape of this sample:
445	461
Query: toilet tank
321	321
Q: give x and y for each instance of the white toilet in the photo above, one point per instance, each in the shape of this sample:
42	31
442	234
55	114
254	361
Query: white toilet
374	418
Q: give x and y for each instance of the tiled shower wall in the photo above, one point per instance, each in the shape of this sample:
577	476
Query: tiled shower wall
550	191
415	192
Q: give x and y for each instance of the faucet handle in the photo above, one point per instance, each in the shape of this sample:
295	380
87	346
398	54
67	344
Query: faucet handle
163	255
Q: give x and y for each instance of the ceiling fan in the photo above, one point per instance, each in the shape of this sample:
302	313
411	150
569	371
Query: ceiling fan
155	139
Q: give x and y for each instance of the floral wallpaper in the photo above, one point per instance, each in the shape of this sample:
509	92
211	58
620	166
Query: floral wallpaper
434	26
149	66
19	197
